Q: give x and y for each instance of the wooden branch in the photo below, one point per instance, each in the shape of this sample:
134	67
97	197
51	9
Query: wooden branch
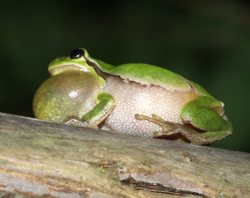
42	159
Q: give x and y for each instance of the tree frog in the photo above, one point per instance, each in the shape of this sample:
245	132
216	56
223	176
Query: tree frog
134	98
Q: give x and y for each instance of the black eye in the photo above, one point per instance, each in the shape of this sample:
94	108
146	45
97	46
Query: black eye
76	53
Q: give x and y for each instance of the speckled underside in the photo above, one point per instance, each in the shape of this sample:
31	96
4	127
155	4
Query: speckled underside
133	98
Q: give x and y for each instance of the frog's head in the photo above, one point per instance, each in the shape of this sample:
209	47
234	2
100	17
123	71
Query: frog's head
79	60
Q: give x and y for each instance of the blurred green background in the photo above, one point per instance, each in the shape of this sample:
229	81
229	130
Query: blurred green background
205	41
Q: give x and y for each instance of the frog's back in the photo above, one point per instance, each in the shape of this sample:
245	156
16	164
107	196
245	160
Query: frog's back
146	74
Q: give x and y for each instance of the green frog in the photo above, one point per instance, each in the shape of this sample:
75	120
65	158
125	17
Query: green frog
135	98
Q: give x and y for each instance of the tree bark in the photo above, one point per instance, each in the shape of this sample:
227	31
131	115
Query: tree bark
43	159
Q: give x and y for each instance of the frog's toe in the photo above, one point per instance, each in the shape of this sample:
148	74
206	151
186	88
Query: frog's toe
165	133
75	121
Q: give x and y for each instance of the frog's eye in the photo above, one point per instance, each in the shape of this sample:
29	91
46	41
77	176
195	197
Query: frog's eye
76	53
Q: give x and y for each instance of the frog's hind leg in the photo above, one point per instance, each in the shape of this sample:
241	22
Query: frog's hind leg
207	115
170	129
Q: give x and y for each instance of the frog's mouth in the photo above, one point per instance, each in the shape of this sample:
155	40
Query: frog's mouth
66	68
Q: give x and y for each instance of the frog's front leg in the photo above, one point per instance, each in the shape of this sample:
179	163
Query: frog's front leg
105	105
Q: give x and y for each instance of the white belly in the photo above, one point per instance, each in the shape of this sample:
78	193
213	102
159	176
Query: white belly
133	98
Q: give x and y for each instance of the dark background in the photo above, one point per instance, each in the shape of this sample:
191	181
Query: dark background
205	41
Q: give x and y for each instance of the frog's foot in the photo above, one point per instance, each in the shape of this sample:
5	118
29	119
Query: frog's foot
75	121
166	126
96	115
170	129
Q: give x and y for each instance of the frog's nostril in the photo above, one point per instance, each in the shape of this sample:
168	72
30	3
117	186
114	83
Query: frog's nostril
76	53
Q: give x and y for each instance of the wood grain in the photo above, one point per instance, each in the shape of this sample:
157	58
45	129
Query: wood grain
43	159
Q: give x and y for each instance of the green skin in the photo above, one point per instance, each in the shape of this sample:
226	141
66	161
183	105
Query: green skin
205	113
